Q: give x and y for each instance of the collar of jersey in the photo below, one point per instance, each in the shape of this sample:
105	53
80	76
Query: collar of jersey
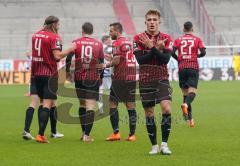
151	35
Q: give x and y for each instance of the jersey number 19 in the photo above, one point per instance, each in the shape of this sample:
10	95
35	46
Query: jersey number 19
86	54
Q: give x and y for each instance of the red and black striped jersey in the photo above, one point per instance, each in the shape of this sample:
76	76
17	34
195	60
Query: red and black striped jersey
87	55
153	70
126	68
188	46
43	61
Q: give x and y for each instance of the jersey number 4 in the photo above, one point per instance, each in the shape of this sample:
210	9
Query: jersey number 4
37	46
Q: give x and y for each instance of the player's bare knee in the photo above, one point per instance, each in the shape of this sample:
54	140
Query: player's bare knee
149	112
184	91
90	104
192	90
166	110
166	107
113	104
47	103
82	103
34	101
33	104
130	105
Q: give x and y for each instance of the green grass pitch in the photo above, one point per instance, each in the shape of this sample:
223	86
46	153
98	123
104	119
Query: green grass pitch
214	141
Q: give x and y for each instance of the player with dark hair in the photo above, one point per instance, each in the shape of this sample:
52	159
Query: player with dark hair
123	82
46	51
187	47
88	54
153	52
34	102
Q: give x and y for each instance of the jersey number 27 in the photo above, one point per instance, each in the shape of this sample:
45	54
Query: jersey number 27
186	44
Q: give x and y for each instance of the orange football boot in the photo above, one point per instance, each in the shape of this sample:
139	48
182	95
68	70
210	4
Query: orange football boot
41	139
114	137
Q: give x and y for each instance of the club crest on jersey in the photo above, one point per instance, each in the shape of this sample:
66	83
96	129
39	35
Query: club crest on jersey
135	46
170	45
58	44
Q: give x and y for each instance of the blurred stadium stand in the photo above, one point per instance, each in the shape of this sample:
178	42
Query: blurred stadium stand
216	21
225	17
21	18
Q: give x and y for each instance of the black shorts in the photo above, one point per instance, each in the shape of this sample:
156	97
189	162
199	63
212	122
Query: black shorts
123	91
188	78
46	87
87	89
33	89
154	92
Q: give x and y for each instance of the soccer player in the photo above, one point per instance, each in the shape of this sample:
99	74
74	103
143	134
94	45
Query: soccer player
187	47
123	82
34	102
46	51
152	50
107	80
89	52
